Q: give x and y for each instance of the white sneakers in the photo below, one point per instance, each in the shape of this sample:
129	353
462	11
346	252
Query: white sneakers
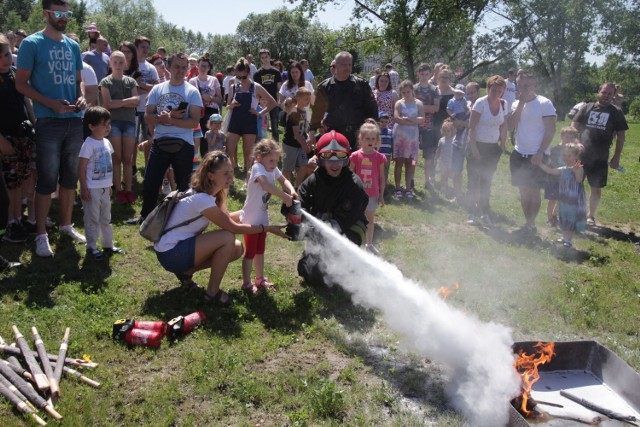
42	246
43	249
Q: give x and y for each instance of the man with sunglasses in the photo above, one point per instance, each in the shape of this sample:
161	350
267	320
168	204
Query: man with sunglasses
334	194
49	67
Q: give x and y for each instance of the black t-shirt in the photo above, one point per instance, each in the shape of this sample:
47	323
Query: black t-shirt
12	109
297	119
600	125
269	79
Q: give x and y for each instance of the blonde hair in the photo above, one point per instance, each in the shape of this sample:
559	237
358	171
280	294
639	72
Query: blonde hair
447	124
201	183
119	54
573	147
370	127
569	134
265	147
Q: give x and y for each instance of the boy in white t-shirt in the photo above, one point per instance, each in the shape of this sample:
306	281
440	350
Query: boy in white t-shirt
95	173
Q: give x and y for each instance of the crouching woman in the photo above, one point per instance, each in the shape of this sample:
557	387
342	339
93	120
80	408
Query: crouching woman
188	248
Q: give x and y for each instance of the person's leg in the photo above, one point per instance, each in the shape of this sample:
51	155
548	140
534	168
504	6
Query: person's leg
69	170
531	201
153	174
106	229
397	172
4	202
248	143
128	154
273	119
215	250
91	218
594	201
15	204
232	147
370	226
116	158
182	165
258	262
250	243
410	170
551	212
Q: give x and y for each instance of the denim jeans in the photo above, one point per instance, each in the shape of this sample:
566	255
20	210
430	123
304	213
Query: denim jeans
159	162
58	143
274	119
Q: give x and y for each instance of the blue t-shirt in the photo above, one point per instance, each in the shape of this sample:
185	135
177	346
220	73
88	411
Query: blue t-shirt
386	142
53	67
99	61
166	98
457	106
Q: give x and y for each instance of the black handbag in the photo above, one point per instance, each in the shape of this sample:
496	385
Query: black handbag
170	144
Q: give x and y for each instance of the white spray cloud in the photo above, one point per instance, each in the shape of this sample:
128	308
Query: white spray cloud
478	354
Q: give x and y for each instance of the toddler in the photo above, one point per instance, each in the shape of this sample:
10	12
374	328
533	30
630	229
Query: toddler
261	185
458	108
296	144
572	209
444	155
95	173
215	138
368	164
567	134
386	143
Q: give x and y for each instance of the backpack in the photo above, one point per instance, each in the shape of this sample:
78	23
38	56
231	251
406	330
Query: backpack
153	226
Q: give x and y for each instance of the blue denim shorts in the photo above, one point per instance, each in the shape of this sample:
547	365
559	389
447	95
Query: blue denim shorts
122	128
181	258
58	143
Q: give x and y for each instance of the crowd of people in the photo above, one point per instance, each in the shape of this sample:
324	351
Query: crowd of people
69	117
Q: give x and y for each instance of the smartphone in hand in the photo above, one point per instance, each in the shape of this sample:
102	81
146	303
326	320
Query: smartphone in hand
183	105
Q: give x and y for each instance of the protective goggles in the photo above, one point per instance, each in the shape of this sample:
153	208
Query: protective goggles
58	14
328	155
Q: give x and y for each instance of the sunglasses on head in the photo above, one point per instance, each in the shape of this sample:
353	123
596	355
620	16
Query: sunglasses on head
58	14
326	155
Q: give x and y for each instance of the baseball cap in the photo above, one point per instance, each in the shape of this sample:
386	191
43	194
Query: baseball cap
92	27
383	114
459	88
215	117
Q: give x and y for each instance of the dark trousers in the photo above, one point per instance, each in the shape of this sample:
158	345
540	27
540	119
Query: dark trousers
274	119
480	175
4	204
159	162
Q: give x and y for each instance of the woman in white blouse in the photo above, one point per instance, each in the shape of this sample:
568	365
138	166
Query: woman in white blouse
487	137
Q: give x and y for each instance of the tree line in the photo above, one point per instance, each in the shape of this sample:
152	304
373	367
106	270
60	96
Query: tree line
476	38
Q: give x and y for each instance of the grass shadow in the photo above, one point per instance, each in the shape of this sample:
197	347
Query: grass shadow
606	233
289	320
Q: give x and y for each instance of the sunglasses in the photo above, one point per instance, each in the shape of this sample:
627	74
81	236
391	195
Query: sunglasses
326	155
242	77
59	14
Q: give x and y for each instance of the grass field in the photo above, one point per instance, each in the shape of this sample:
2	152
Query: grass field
304	356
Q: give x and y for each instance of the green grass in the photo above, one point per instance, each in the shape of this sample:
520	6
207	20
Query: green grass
303	356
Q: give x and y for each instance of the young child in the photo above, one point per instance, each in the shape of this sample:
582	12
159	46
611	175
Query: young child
444	155
458	108
408	115
369	164
95	173
295	142
261	185
567	134
573	206
386	143
215	138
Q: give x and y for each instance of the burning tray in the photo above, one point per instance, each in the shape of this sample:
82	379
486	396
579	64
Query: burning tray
587	370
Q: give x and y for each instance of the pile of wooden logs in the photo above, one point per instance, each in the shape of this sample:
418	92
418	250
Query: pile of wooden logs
38	386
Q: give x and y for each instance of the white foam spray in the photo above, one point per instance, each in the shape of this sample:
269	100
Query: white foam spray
478	354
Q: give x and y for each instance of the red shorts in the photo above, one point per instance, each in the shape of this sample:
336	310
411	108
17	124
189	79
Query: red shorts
254	244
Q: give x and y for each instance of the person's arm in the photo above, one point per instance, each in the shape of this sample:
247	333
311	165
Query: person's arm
620	139
473	123
91	94
273	189
176	117
112	104
82	178
381	184
231	102
421	117
549	132
262	93
226	222
514	118
58	106
150	118
397	115
503	135
287	187
304	144
550	171
578	171
217	91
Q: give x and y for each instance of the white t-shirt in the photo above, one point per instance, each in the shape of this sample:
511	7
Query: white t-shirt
488	127
149	75
88	76
208	87
290	93
99	170
187	208
530	130
167	97
255	207
225	83
510	94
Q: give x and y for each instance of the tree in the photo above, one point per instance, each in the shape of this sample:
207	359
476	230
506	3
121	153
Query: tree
12	9
287	35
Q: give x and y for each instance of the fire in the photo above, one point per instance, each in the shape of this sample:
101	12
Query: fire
445	291
527	367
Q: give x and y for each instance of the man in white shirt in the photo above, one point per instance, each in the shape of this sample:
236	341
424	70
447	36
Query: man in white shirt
533	118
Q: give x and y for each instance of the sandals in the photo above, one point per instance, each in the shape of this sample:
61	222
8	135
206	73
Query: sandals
221	298
261	283
249	288
186	281
565	243
591	221
409	194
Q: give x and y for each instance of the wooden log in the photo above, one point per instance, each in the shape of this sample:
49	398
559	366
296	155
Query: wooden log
18	369
19	404
28	391
594	407
13	351
75	373
62	354
46	365
39	377
15	391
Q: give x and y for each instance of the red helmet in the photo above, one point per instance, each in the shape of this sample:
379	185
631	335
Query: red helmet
333	146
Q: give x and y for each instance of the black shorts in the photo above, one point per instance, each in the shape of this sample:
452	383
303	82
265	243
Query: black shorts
596	171
524	173
428	143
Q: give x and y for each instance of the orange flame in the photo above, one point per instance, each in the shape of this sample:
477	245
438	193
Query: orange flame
527	367
445	291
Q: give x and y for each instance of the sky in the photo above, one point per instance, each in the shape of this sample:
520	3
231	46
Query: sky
222	17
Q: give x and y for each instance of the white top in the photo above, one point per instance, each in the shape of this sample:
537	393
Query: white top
149	75
167	97
488	127
255	207
530	130
226	82
510	94
208	87
187	208
88	75
99	170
